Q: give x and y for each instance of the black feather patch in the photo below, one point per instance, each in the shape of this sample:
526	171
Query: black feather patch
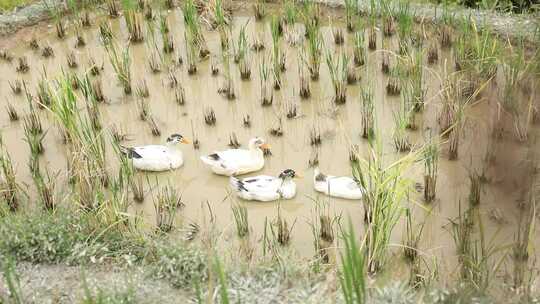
241	186
320	177
251	180
214	156
130	152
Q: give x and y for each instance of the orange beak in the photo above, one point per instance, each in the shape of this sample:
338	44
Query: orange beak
296	175
265	146
185	141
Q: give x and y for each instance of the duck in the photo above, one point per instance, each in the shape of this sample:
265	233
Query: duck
265	188
157	157
337	186
234	162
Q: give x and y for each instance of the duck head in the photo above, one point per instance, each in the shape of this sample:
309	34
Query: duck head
258	143
174	139
288	174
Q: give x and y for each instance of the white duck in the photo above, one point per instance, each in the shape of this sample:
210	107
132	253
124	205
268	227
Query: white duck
238	161
265	188
337	186
157	157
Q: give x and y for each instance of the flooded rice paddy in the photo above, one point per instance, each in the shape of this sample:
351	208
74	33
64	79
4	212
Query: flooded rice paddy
339	127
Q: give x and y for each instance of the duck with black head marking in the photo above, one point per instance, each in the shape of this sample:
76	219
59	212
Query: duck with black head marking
158	157
238	161
266	188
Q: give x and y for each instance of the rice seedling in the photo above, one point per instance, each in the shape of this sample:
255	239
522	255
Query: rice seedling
172	79
45	185
352	76
43	91
105	33
409	102
97	90
475	188
80	41
417	83
5	55
266	93
292	110
314	137
278	57
246	121
359	51
284	232
16	86
34	137
133	21
191	56
385	189
245	68
474	255
259	9
142	89
314	158
351	12
144	109
12	112
401	121
112	8
367	112
22	65
352	274
240	219
93	67
314	50
209	116
33	44
433	54
118	134
412	238
372	38
56	13
522	249
431	168
166	203
322	227
10	187
154	127
137	189
290	12
193	29
339	38
71	60
277	130
121	64
393	86
304	83
456	132
228	88
47	51
166	36
354	152
233	141
33	122
241	47
180	95
214	68
338	75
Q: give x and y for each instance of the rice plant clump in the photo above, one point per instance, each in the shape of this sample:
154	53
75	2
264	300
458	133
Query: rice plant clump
431	167
167	201
367	112
338	75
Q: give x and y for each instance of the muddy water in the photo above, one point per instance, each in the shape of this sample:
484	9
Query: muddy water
339	127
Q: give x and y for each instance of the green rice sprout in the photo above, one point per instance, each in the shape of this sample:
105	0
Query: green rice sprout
431	168
10	187
166	203
121	63
351	11
338	75
240	219
133	21
266	93
400	137
278	58
352	274
314	48
385	189
359	51
367	110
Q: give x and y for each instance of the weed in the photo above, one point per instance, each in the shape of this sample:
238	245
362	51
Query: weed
352	275
166	203
240	219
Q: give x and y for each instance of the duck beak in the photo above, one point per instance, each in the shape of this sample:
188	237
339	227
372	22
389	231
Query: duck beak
185	141
265	146
296	175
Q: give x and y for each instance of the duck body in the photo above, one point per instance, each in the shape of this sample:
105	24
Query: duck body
237	161
157	157
263	188
337	186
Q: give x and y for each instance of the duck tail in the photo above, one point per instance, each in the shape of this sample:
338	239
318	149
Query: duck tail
318	176
210	159
236	184
129	152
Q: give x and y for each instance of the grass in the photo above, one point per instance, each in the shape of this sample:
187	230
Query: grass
367	112
8	5
241	220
